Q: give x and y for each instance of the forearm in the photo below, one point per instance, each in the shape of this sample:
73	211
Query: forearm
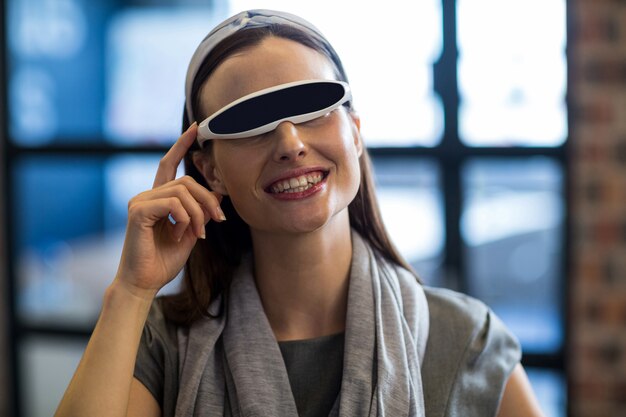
101	383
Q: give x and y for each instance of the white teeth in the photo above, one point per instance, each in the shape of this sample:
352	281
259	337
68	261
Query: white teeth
297	184
299	189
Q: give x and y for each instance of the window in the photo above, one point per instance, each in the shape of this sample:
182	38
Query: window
463	108
512	80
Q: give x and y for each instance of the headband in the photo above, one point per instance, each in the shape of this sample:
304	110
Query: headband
247	19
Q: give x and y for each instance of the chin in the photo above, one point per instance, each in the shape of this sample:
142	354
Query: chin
320	222
299	224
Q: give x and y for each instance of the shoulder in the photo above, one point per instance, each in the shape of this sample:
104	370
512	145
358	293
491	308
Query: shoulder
469	355
451	308
456	321
463	325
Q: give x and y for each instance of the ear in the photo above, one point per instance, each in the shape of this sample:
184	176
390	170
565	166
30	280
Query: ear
205	164
356	131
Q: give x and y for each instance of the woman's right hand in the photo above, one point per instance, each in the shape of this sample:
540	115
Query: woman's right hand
155	249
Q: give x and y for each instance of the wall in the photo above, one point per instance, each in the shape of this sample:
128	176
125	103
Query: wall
598	277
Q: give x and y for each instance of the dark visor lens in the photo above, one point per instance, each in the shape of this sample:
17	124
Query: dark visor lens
277	105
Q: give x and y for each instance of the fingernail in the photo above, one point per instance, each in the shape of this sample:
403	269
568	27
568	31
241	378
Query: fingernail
220	213
203	235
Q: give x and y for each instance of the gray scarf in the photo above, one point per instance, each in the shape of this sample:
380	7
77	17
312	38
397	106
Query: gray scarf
239	370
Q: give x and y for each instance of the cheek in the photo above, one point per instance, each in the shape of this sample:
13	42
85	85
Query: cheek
350	149
240	188
240	170
355	174
237	166
352	153
341	149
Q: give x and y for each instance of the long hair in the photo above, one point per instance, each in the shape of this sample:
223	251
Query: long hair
213	260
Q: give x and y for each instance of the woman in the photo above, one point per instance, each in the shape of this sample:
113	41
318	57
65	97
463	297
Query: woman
298	304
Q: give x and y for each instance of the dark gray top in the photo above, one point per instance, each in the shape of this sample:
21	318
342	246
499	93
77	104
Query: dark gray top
469	356
314	368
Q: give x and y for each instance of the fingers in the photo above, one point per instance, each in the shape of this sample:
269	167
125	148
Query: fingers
196	214
209	200
195	205
169	163
148	213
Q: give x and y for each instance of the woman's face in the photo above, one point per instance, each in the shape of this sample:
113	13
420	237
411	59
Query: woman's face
296	178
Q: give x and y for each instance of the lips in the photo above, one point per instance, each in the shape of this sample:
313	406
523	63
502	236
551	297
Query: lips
296	183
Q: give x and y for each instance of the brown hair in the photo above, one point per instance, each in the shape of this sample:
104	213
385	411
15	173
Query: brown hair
213	261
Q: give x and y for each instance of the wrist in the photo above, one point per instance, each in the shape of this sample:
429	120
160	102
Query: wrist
119	289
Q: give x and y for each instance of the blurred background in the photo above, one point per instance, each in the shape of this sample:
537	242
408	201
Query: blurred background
497	128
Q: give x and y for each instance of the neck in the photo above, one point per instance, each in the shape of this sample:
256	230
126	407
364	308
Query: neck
303	280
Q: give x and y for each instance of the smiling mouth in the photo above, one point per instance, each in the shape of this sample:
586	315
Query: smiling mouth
297	184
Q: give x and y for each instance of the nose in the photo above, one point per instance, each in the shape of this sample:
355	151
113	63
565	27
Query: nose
289	146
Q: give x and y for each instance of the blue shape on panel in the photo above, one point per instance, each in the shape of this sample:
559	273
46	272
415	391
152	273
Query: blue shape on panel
57	199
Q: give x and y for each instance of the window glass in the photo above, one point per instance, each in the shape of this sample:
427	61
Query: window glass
148	50
70	222
411	204
512	72
512	226
58	210
86	71
550	388
46	368
56	70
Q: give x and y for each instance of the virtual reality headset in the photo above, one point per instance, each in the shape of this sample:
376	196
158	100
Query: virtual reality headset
262	111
